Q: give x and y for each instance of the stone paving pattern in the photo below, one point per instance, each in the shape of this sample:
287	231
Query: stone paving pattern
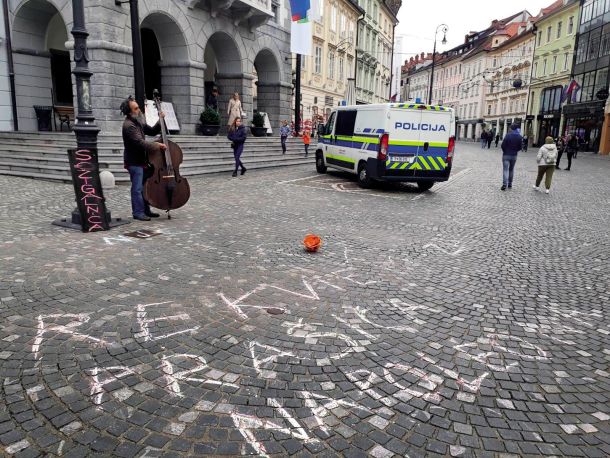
464	321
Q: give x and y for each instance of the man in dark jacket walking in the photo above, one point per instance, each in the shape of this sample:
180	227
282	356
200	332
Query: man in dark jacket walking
511	145
135	155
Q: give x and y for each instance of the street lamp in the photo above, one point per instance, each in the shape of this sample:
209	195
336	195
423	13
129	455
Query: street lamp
444	28
91	214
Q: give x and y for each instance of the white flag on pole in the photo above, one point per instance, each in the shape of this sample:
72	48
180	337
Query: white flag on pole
300	38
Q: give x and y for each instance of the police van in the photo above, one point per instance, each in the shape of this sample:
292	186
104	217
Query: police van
389	142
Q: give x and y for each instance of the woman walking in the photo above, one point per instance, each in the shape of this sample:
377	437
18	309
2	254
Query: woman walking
547	155
237	135
570	147
284	132
234	109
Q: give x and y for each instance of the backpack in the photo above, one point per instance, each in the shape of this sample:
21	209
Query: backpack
551	156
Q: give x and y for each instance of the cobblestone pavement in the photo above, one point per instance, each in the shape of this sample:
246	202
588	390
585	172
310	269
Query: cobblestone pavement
464	321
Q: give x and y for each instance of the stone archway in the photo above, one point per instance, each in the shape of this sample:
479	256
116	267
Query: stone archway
266	87
167	66
224	70
41	59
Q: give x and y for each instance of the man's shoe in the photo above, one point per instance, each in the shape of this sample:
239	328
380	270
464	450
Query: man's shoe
568	169
547	191
234	174
152	214
141	217
510	186
557	167
536	188
243	170
503	188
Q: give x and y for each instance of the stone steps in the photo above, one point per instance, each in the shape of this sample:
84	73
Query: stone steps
43	156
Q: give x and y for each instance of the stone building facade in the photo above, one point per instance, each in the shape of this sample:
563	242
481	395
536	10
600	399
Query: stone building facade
188	46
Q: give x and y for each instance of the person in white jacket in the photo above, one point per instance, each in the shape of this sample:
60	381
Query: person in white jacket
546	158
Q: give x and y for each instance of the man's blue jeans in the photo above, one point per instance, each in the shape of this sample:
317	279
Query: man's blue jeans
139	207
508	163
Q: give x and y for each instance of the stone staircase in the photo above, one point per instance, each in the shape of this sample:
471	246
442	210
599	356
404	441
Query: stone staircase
43	155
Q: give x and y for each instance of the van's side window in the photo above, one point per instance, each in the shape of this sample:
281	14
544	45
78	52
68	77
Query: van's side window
331	123
346	120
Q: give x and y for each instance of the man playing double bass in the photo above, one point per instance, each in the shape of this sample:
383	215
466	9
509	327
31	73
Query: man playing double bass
135	155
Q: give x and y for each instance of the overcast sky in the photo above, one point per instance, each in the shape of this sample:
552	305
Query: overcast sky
419	19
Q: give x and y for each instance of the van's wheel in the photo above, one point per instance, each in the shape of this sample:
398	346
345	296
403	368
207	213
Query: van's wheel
363	177
425	185
320	165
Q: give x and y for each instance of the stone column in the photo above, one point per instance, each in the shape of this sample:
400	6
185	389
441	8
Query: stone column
227	85
111	82
182	85
274	99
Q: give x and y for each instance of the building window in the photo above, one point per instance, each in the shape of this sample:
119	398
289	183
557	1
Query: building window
275	8
548	34
565	61
488	110
333	18
539	38
331	65
559	26
593	51
535	69
554	64
544	67
581	50
604	47
571	25
318	61
342	28
341	72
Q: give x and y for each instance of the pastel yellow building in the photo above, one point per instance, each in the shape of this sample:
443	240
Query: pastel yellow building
324	76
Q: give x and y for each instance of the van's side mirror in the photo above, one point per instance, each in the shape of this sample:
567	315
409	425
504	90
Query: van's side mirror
321	130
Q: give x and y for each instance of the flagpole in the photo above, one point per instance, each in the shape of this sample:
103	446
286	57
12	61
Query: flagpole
297	97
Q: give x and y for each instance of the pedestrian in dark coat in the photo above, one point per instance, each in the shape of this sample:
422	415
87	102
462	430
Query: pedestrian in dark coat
511	145
212	100
135	155
238	135
490	138
571	149
497	139
561	147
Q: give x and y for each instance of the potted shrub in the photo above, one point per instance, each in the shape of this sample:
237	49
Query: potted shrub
258	125
210	121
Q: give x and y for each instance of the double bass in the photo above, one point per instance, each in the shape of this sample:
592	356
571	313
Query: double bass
166	189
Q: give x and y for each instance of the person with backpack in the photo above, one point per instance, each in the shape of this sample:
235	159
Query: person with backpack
547	155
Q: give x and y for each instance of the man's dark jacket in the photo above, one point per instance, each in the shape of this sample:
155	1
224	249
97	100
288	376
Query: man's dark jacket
135	141
512	144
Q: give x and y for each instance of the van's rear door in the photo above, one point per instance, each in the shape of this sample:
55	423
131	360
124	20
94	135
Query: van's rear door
404	140
434	133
